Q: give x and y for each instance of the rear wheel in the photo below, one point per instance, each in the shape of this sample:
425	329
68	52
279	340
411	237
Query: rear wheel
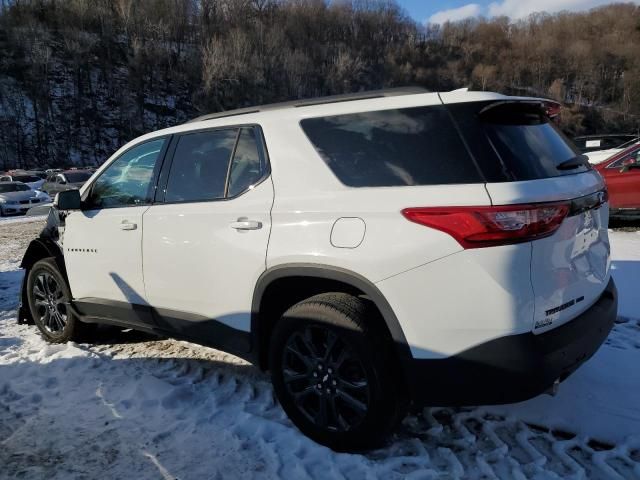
333	373
49	297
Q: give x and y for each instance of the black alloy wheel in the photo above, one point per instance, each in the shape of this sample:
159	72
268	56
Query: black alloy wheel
333	371
49	302
49	297
326	379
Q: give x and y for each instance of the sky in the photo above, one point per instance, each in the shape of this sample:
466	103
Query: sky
452	10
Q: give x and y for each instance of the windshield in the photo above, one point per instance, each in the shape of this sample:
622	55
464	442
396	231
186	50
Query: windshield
26	178
77	177
629	143
13	187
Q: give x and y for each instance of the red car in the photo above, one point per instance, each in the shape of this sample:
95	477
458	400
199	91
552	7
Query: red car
621	173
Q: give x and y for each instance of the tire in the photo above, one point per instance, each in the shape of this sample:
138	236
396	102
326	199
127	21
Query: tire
48	295
332	372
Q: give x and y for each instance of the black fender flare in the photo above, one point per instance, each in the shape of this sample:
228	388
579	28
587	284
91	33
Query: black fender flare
36	249
326	272
39	248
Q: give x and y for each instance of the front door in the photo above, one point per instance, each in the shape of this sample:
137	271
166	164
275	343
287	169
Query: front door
205	245
103	241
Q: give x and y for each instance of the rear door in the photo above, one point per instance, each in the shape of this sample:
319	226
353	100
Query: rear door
205	240
528	161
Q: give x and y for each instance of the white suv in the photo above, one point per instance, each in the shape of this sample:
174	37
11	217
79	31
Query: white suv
373	252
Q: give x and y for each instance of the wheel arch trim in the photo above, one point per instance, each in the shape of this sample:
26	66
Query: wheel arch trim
325	272
34	252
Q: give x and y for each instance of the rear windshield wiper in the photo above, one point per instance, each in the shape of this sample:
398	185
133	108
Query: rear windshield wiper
575	162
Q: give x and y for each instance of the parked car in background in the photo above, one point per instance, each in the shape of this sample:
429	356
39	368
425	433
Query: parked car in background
38	173
593	143
597	156
67	180
32	181
17	198
621	173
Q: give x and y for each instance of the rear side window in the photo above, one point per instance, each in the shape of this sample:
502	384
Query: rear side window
412	146
631	158
200	163
215	164
515	141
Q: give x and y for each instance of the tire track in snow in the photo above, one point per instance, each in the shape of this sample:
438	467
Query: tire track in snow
465	442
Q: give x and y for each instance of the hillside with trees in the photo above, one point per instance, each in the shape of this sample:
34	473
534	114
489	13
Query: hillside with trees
78	78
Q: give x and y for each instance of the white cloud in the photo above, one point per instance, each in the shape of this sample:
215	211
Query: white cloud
516	9
521	8
455	14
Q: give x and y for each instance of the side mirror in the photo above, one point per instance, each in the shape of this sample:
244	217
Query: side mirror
68	200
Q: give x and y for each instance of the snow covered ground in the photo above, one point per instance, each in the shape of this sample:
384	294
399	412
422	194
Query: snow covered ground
137	407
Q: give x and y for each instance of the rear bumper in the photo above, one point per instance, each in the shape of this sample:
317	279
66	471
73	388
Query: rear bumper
516	367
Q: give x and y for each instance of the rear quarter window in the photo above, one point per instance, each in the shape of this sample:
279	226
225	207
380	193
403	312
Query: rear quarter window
403	147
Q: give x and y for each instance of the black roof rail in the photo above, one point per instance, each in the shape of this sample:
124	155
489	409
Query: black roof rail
347	97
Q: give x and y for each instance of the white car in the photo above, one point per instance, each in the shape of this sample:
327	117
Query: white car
34	182
600	156
372	251
17	198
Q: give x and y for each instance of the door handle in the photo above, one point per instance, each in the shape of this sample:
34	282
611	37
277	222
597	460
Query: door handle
126	225
245	224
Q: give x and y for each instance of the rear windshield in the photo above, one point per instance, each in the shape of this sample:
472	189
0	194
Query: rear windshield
412	146
527	143
515	141
77	177
26	178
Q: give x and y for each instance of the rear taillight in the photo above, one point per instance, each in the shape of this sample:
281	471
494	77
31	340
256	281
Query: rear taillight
477	227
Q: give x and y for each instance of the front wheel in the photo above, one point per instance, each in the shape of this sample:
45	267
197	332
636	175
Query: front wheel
332	373
49	297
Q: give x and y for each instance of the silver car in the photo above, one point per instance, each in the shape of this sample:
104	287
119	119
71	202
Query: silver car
67	180
16	198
